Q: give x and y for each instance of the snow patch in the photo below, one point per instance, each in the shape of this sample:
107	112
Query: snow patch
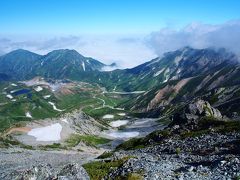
28	114
177	59
166	74
158	73
83	66
46	96
108	116
122	114
145	75
132	92
9	96
47	133
54	107
118	123
154	61
178	71
65	120
13	84
38	88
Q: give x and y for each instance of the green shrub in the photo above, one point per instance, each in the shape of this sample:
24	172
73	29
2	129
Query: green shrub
178	151
97	170
105	155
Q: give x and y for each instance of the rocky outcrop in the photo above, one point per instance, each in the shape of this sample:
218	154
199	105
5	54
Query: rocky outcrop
193	112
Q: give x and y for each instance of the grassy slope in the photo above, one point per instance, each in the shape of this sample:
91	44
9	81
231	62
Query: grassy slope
90	140
85	97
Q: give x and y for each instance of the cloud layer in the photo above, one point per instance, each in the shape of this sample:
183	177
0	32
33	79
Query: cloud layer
197	35
131	50
126	51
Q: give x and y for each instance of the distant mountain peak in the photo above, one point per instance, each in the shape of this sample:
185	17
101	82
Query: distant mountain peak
66	52
21	51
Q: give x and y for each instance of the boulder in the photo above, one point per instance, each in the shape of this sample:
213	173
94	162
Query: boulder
193	112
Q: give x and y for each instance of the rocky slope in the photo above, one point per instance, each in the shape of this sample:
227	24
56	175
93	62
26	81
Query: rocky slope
34	164
199	145
211	75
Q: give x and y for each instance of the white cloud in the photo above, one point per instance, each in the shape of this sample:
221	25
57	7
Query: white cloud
126	51
131	50
197	35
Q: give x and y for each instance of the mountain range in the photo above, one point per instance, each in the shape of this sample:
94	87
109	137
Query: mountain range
175	77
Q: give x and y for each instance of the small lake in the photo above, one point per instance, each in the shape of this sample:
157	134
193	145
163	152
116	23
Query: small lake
22	91
133	128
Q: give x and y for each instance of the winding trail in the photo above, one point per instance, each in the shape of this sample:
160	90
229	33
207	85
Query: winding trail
106	106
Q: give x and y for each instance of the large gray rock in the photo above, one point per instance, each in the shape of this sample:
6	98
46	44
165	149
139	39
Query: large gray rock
203	108
193	112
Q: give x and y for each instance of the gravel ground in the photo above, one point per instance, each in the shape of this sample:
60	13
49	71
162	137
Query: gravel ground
15	159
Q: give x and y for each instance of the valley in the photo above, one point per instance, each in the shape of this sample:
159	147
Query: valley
173	117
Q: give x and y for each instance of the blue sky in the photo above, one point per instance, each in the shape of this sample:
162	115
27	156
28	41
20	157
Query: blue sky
128	32
110	16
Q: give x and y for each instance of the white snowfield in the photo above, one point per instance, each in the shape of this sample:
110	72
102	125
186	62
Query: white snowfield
46	96
118	123
65	120
108	116
28	114
123	134
131	92
13	84
9	96
122	114
83	66
47	133
38	88
54	107
158	73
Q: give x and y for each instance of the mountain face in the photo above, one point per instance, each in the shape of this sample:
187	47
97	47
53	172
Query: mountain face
19	63
183	63
22	64
187	74
67	63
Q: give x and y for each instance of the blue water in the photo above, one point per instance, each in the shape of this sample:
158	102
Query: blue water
22	91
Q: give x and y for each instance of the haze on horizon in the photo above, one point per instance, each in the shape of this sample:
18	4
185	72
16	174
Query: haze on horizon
122	31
